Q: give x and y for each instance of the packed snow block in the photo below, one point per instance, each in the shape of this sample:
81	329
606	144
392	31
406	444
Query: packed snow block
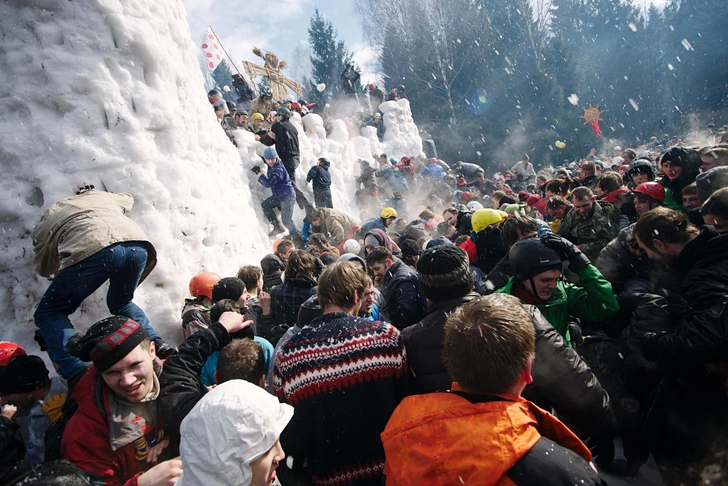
313	125
364	148
110	93
339	131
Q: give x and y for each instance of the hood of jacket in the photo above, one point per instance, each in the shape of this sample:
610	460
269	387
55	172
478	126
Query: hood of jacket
234	424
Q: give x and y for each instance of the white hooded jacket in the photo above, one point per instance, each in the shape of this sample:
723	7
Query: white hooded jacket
234	424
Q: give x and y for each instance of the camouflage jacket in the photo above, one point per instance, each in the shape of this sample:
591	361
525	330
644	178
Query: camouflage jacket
593	233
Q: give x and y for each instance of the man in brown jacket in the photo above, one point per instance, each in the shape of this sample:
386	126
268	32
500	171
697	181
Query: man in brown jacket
81	242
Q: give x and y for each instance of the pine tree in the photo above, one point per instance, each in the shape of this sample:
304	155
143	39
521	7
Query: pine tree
223	76
328	59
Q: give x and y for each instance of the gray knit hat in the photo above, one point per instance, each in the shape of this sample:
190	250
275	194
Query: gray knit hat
710	181
444	272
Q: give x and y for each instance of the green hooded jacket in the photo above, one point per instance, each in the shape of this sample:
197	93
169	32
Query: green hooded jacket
592	299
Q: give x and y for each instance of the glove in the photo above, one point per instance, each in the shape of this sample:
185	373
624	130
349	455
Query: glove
576	258
255	169
648	345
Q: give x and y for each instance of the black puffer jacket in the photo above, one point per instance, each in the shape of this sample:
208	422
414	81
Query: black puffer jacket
489	245
180	385
272	267
464	226
285	137
405	303
703	337
562	381
423	342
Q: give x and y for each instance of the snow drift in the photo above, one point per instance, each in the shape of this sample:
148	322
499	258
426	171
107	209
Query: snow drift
109	92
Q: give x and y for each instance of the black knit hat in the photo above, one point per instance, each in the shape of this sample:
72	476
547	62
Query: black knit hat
444	272
228	288
108	341
309	311
410	248
23	374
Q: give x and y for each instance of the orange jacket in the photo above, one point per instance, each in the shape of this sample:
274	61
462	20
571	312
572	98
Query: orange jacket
444	439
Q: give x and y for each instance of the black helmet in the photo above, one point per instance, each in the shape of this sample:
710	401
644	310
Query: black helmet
265	91
641	165
400	88
214	92
232	106
531	257
282	111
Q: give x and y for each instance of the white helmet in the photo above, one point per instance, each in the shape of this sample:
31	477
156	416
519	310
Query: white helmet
474	206
352	246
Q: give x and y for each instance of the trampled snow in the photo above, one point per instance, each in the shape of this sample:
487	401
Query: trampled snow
109	92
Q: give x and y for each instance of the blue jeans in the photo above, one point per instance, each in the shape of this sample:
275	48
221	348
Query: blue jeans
286	208
122	264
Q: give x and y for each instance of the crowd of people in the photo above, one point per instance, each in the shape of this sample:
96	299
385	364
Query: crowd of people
461	329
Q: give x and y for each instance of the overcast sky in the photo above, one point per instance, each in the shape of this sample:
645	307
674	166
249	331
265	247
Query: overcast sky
282	25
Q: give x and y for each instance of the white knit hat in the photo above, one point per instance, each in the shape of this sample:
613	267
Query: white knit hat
234	424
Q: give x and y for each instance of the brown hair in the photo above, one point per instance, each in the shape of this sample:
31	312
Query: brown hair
610	181
720	154
301	264
339	283
426	214
283	246
560	185
488	343
556	202
582	193
511	227
378	255
631	153
450	209
589	167
250	275
498	194
690	189
665	225
242	359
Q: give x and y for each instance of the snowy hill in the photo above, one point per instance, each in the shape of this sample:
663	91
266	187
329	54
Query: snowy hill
109	92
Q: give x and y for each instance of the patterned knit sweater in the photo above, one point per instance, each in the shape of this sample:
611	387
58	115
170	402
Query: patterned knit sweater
344	376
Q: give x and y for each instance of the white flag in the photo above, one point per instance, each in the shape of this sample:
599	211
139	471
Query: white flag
212	50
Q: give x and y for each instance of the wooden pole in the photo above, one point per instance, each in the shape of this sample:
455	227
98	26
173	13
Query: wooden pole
233	62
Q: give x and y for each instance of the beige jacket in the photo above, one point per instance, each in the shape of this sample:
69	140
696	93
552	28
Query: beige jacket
76	227
336	224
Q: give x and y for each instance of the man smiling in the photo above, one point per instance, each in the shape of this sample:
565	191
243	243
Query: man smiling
116	434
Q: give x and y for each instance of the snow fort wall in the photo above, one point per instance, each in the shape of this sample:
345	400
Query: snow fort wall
109	92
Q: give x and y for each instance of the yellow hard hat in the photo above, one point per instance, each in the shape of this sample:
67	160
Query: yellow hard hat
257	116
482	218
388	213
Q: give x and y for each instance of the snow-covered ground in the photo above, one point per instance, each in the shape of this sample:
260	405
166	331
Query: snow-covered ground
109	92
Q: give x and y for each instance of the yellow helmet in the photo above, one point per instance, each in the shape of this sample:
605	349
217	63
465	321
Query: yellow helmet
257	116
388	213
482	218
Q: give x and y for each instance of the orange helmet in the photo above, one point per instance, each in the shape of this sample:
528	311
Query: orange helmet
202	283
8	351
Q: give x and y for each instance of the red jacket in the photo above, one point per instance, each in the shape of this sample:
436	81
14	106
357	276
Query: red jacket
86	437
444	439
613	196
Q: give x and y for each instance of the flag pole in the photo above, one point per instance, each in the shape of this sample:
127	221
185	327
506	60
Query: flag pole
228	55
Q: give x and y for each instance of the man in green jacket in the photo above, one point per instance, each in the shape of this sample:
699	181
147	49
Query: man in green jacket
537	281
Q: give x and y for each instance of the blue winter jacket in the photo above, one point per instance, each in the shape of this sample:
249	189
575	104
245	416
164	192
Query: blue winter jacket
320	176
278	181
